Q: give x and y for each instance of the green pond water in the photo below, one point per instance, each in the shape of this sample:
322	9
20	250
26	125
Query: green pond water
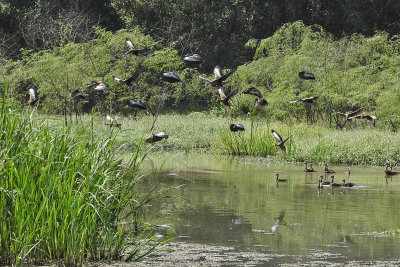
235	202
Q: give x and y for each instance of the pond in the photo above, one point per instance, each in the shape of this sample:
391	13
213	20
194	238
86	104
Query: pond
235	204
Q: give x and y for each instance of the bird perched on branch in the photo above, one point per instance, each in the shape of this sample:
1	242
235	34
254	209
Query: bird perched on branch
223	97
236	127
77	95
306	75
194	60
280	141
98	85
219	80
307	100
132	49
157	137
170	77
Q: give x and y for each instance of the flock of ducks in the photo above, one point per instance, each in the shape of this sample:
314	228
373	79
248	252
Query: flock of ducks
321	182
195	61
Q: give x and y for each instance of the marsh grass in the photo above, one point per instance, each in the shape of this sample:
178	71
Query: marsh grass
65	197
315	143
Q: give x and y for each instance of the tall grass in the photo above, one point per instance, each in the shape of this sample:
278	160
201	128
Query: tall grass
315	143
64	197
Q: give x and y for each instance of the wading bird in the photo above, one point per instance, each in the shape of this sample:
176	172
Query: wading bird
279	180
306	75
311	167
347	184
325	182
157	137
98	85
219	80
348	172
194	60
170	77
320	184
334	184
132	49
280	141
390	172
223	97
236	127
328	170
33	98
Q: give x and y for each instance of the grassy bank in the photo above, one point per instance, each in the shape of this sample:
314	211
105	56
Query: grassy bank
362	145
64	196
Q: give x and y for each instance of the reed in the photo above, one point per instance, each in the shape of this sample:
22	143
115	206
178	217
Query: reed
64	197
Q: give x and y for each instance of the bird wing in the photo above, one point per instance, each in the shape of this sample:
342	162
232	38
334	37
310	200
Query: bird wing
295	101
117	79
340	113
288	138
205	79
277	136
221	93
355	112
130	44
217	73
225	76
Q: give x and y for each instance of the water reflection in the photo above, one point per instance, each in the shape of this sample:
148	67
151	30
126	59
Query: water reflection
239	204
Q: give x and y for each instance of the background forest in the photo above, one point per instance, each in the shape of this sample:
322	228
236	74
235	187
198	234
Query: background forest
351	47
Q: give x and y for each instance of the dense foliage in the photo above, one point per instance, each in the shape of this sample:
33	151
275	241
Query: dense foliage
215	29
351	73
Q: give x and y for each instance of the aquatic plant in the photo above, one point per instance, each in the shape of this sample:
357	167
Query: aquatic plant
64	196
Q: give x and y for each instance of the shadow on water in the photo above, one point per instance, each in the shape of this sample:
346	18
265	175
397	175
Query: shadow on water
238	205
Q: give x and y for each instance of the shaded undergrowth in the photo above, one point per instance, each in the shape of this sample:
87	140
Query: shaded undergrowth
65	197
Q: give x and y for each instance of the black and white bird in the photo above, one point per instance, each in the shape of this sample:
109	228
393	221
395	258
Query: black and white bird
129	80
136	103
236	127
33	97
307	100
170	77
219	79
132	49
327	170
253	91
77	95
194	60
98	85
306	75
280	141
223	97
347	184
157	137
